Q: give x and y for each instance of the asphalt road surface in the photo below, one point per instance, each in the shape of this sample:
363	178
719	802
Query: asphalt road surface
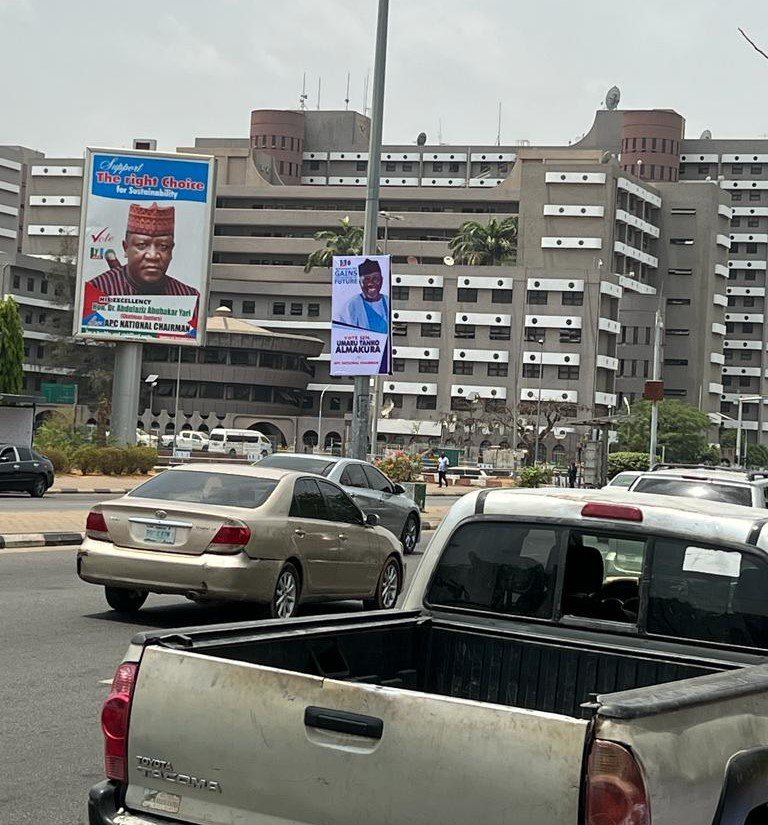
59	643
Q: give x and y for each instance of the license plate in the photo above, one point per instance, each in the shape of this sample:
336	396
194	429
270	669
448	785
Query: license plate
160	535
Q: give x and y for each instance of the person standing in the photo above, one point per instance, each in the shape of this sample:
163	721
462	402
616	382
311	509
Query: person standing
442	469
573	472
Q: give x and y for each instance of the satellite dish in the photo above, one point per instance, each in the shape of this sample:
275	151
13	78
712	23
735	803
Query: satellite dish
412	259
706	135
606	157
448	260
421	139
612	98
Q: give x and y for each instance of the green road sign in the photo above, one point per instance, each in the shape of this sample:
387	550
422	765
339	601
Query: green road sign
59	393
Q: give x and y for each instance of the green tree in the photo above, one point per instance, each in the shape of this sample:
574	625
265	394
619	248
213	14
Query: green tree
621	462
682	431
11	347
491	244
757	456
347	240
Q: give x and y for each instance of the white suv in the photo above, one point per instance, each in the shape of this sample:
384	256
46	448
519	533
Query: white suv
728	485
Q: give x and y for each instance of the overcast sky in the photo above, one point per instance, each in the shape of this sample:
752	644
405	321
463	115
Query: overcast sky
78	72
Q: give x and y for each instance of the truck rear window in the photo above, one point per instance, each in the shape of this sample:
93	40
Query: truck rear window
728	493
227	489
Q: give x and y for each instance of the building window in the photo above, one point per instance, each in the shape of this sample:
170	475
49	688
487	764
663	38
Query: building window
40	351
754	196
430	330
30	284
249	307
398	365
496	370
531	370
281	167
396	399
278	308
274	140
678	302
756	170
753	223
400	293
361	166
735	223
730	327
678	332
736	196
737	170
681	241
390	167
453	168
464	331
27	318
539	297
748	301
463	368
501	296
314	166
432	293
749	275
734	247
499	333
744	380
429	365
16	282
297	309
426	402
572	299
744	355
675	362
570	336
752	248
568	372
533	334
747	327
437	167
334	404
703	168
399	329
313	310
466	295
407	167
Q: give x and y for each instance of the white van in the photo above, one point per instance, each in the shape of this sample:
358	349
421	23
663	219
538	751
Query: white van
250	443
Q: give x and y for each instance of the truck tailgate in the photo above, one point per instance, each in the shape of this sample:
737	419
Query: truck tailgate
219	741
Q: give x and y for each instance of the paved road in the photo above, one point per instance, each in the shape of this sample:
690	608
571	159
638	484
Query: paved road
58	642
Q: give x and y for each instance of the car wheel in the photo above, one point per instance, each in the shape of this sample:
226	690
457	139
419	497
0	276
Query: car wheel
285	601
39	486
387	588
232	453
123	600
264	453
410	535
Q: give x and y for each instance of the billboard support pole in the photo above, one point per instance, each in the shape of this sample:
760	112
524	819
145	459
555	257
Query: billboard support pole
361	407
126	384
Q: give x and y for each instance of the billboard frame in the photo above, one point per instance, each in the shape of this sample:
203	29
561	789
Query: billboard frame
207	260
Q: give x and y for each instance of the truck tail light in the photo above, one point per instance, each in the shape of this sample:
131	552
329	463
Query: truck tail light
114	722
615	793
230	538
96	526
617	512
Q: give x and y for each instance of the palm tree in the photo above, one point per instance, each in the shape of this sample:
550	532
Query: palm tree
348	240
488	244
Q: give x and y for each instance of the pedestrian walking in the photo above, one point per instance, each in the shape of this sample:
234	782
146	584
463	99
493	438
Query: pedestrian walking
442	469
573	472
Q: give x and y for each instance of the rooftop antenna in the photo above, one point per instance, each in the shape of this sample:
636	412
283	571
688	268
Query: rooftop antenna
439	132
303	95
319	86
365	92
498	132
346	99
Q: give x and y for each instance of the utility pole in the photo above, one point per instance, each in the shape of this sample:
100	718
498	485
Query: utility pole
658	327
361	407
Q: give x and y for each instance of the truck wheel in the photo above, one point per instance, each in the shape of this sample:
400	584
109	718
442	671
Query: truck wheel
387	588
123	600
285	600
410	535
39	486
233	453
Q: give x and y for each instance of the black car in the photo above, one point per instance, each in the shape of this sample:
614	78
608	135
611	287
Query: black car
22	469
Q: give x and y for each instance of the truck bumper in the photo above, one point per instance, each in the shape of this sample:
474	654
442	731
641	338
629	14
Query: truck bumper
103	808
207	576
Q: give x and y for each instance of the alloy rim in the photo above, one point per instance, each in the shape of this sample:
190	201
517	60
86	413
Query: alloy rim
389	581
410	535
285	597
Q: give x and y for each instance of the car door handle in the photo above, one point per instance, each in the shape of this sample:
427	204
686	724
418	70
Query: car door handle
16	466
343	536
299	533
343	721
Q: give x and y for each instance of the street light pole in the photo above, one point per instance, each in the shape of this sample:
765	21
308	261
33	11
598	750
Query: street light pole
320	416
658	326
540	342
361	407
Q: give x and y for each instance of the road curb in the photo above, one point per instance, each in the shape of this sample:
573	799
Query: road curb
39	539
90	491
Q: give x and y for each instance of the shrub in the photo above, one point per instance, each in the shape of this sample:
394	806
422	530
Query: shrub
87	460
140	459
60	460
535	476
400	466
619	462
112	460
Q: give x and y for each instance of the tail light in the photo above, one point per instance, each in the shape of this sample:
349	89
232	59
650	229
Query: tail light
619	512
616	793
114	722
230	538
96	526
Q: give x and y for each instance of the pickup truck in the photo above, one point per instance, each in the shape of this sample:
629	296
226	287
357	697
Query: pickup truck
592	657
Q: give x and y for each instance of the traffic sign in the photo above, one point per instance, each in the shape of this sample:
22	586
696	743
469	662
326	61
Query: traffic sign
59	393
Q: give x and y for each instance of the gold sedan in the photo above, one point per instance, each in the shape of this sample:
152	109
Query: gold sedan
210	532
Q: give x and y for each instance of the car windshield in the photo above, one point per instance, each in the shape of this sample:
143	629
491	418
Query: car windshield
227	489
302	463
691	488
622	480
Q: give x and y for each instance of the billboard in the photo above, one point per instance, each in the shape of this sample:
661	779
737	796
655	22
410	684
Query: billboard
145	247
361	315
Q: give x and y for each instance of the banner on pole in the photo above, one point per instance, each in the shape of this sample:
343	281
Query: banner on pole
145	247
361	315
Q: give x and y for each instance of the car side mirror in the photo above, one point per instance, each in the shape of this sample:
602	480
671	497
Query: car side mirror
398	489
371	520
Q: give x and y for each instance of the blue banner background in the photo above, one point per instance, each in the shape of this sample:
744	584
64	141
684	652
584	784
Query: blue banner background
157	167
